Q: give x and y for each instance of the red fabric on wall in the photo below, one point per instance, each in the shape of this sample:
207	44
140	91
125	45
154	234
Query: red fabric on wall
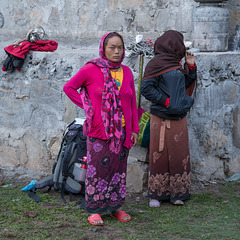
25	47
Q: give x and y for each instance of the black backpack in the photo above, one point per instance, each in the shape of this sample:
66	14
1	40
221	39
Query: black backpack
69	171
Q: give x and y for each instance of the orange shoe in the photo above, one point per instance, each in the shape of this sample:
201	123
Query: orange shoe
95	220
120	215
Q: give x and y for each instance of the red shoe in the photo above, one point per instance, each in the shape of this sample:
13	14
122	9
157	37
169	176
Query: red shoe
120	215
96	217
4	69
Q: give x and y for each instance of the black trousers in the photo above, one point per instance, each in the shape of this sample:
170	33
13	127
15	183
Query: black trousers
13	62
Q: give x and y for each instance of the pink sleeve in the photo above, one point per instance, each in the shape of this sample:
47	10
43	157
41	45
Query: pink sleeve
135	123
75	83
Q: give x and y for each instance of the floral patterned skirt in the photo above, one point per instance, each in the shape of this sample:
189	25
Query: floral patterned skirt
105	186
169	167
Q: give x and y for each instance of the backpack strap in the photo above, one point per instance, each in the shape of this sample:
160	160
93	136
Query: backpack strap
71	186
46	182
82	203
32	194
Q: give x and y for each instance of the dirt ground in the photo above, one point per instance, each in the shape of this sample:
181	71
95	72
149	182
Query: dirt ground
22	177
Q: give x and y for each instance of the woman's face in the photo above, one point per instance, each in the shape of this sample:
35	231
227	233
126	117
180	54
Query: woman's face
114	49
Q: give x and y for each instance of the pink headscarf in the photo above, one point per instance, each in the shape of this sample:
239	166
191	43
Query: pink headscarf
111	110
103	57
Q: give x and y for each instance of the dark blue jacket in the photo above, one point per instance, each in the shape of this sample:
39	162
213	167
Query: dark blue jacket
173	85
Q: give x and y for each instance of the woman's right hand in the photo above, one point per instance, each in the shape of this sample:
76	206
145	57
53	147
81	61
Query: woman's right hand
189	59
134	138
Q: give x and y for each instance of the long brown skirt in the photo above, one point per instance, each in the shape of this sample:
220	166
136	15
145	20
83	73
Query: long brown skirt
169	168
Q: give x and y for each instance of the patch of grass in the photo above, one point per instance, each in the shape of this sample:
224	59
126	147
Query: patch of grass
205	216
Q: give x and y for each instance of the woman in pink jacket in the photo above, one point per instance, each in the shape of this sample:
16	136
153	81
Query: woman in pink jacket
107	94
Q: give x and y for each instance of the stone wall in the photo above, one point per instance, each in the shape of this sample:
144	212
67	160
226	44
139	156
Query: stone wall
83	22
214	120
34	110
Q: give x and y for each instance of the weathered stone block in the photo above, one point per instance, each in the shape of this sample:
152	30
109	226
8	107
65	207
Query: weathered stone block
132	159
136	176
234	166
140	153
210	28
236	128
8	156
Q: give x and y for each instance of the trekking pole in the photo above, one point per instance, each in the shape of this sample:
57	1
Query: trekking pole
140	79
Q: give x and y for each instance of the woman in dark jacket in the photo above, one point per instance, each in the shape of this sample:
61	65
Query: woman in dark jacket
169	87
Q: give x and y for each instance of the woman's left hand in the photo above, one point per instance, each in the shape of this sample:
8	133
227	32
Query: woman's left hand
134	138
189	58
